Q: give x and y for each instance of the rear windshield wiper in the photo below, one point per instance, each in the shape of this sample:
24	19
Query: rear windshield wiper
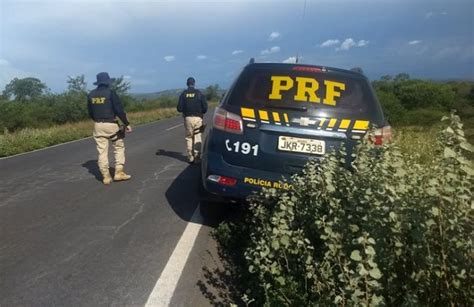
285	107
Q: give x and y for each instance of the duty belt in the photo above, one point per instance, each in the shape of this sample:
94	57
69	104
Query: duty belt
104	120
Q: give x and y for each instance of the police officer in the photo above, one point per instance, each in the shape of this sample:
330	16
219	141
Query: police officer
192	103
104	107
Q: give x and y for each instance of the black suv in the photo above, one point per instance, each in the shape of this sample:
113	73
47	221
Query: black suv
276	116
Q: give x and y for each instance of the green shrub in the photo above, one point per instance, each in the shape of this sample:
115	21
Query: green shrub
414	94
391	231
394	112
422	117
403	99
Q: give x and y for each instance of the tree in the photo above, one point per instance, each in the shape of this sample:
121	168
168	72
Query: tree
401	77
76	84
212	92
121	86
471	93
24	89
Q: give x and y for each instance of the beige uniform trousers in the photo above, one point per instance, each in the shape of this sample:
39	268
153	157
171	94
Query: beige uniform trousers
193	136
102	131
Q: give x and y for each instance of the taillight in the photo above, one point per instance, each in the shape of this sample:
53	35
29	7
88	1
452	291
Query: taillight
222	180
228	121
382	135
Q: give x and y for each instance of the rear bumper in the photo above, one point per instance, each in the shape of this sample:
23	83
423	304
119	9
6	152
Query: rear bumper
249	181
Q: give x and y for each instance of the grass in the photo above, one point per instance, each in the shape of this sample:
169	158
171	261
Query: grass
417	141
420	142
30	139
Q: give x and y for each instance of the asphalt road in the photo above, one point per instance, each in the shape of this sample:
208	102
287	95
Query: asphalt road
68	240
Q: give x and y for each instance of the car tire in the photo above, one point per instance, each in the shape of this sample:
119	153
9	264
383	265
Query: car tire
212	209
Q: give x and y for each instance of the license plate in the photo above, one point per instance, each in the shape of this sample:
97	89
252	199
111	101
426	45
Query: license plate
309	146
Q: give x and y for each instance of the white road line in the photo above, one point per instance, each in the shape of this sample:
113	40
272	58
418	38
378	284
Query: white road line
165	286
171	128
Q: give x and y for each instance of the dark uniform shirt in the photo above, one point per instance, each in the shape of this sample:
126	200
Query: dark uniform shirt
192	103
104	105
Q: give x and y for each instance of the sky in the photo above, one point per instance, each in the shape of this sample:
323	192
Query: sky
157	44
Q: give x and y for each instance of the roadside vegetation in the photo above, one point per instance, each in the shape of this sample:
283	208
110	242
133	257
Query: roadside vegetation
31	117
395	231
421	103
29	139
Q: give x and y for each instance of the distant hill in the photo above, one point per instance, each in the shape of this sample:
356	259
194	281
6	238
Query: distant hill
165	93
155	95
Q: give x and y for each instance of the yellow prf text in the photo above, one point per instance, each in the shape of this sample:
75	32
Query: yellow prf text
306	89
267	183
98	100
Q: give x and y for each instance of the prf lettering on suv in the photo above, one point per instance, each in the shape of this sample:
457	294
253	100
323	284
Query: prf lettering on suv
276	116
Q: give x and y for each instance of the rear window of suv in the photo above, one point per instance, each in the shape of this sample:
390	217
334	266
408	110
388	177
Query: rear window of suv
337	94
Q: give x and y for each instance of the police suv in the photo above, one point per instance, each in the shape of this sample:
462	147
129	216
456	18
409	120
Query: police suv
276	116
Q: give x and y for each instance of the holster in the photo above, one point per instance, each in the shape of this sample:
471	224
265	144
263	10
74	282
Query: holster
200	129
120	134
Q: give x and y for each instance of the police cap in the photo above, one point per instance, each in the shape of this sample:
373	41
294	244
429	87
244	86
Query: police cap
190	81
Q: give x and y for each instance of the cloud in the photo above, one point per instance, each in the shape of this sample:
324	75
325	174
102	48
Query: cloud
47	15
4	62
435	14
273	49
414	42
127	77
235	52
201	57
273	36
347	44
169	58
291	59
329	43
455	53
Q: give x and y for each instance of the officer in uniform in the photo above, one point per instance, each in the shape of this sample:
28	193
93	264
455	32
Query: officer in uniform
192	103
104	107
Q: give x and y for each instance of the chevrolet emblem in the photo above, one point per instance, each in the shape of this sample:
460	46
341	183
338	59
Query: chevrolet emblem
304	121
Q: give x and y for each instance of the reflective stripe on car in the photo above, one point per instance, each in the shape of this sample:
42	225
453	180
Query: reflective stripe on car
322	123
